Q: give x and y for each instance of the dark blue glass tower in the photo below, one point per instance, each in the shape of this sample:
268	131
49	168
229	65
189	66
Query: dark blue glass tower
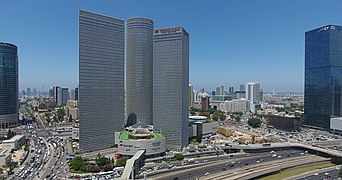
8	85
323	75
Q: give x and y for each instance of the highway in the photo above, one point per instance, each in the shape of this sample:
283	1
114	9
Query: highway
330	172
223	165
254	171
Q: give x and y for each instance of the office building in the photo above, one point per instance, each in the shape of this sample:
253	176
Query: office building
242	87
170	85
55	93
191	95
252	92
223	89
8	85
101	80
74	94
323	76
65	96
139	69
218	91
205	102
62	96
235	105
28	91
231	90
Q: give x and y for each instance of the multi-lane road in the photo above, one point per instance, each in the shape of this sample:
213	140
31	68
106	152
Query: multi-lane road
215	165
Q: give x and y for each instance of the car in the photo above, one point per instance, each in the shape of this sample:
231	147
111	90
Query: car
206	174
257	161
279	157
274	155
316	174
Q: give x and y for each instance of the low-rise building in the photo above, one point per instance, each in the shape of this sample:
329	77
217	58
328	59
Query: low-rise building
14	142
140	136
235	105
205	128
336	124
286	123
5	156
75	133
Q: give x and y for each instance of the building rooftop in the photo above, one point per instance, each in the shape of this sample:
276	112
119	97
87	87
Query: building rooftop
125	135
13	139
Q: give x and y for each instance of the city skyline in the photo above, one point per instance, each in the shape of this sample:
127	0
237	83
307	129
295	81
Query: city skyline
243	55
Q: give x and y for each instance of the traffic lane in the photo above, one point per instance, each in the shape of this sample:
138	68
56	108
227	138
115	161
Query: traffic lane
333	174
260	156
239	162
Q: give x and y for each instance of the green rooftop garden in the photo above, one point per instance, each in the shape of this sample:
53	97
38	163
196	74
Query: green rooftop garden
125	135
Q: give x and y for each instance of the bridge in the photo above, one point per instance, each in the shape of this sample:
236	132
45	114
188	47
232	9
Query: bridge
320	150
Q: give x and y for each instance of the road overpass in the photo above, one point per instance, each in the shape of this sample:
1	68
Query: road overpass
335	155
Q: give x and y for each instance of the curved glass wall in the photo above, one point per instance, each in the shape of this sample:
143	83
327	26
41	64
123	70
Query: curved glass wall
8	85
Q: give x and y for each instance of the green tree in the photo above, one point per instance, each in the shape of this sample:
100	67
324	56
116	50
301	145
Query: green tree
222	116
121	161
211	110
78	164
47	117
101	160
93	168
179	156
108	167
10	134
60	114
215	116
51	106
254	122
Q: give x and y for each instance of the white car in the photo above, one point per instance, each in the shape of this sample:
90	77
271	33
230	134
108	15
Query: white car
206	174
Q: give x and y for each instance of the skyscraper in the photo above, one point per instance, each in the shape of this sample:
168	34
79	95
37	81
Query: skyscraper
55	93
170	85
28	91
74	94
191	95
8	85
242	87
139	69
218	91
253	92
323	75
101	80
231	90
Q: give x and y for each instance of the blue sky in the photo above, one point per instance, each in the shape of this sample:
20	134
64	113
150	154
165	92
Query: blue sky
231	42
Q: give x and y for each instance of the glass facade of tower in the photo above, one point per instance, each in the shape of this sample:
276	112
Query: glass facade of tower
8	85
101	80
323	75
139	69
171	85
